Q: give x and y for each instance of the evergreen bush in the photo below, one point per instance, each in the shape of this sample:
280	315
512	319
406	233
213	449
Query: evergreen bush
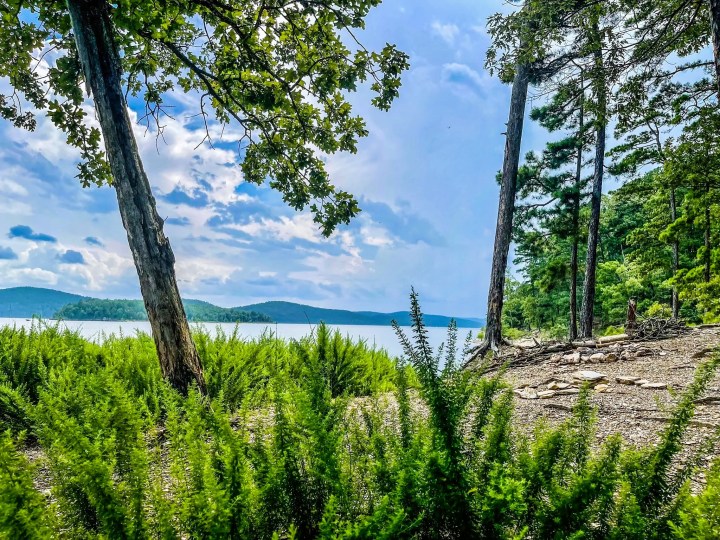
318	438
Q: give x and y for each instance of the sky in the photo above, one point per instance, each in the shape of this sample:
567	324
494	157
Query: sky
424	177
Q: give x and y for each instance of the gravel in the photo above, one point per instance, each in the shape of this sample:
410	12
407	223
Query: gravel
637	413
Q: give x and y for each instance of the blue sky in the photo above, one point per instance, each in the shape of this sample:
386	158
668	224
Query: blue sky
425	178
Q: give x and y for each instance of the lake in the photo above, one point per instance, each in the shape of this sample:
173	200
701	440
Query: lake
380	336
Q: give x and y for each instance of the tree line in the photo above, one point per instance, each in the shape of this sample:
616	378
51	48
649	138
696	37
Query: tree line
631	89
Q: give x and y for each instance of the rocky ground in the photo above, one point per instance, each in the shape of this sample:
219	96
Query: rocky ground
635	387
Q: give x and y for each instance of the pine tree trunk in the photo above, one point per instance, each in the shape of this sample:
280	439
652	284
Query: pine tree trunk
715	23
506	207
706	255
154	260
573	288
676	256
588	302
573	330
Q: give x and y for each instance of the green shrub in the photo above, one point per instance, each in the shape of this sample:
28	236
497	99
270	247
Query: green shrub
23	511
319	438
699	516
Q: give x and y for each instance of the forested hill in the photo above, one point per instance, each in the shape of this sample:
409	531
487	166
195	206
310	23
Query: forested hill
24	302
93	309
288	312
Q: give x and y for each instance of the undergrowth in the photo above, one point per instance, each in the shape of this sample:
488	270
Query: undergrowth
318	438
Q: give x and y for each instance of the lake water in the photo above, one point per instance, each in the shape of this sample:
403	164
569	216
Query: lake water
381	336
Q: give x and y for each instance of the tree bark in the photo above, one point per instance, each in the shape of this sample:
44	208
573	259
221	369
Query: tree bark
573	329
706	255
715	24
506	207
154	259
676	255
588	302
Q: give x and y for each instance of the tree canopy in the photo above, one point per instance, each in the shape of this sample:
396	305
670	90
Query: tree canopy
278	71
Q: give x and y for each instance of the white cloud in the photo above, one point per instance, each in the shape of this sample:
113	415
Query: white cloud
101	268
285	229
447	31
29	276
464	75
17	208
191	271
8	187
329	269
372	235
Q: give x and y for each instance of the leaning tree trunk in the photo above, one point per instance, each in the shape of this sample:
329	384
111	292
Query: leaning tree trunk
506	209
154	260
588	302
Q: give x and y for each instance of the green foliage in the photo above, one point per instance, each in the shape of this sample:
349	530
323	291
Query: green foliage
279	72
318	438
635	260
23	511
94	309
699	518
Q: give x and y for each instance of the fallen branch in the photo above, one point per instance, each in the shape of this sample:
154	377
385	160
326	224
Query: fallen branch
613	339
558	406
710	400
697	423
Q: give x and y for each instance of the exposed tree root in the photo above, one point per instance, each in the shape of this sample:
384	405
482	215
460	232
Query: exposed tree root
480	351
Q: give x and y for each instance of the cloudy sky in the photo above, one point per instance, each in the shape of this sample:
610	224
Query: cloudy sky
424	178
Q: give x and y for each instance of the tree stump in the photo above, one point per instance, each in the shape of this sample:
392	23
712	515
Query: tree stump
631	319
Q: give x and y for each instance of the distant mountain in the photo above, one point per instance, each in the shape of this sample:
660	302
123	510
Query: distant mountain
26	302
291	313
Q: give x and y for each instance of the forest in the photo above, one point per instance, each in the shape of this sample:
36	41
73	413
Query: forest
629	93
134	310
657	235
177	434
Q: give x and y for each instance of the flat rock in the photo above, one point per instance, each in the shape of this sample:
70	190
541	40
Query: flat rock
567	391
572	358
654	386
555	385
625	379
526	393
640	382
586	375
702	353
545	394
602	387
